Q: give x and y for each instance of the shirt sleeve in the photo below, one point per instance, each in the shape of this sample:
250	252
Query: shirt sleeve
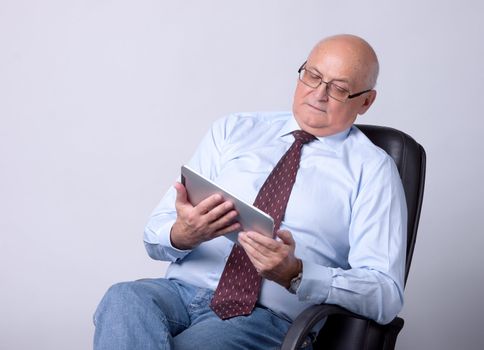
207	161
373	285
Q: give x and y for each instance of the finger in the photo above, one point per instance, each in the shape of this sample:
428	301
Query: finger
258	250
223	221
286	237
181	193
263	243
227	229
255	257
209	203
254	245
220	211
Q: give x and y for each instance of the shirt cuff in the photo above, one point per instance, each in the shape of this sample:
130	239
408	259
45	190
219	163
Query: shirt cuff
315	283
163	239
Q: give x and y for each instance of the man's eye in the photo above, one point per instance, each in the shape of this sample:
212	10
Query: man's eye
338	89
313	76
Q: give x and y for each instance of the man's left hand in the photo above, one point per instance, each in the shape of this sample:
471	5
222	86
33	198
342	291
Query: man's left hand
273	259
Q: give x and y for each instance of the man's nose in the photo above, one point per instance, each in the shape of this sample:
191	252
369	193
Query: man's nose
321	92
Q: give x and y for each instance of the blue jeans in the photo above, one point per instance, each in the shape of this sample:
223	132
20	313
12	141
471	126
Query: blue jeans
168	314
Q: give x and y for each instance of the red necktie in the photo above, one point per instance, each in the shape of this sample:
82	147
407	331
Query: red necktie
239	286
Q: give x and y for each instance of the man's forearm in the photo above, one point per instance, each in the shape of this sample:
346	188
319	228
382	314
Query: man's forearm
363	291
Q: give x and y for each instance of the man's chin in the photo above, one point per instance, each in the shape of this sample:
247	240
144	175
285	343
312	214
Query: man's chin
315	122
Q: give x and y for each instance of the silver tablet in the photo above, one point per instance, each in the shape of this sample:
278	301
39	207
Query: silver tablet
250	217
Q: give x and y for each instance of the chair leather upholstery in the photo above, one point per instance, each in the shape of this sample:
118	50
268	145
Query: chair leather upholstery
410	159
343	329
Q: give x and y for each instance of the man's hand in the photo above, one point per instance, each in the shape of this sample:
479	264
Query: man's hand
272	259
211	218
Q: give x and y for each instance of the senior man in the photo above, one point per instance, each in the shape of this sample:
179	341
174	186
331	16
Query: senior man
340	214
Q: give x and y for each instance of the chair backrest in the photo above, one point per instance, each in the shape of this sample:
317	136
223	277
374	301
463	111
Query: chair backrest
343	330
409	156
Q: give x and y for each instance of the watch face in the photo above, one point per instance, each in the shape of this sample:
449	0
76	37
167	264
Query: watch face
295	282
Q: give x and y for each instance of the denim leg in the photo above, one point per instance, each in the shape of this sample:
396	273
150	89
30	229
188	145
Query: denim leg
259	330
140	315
164	314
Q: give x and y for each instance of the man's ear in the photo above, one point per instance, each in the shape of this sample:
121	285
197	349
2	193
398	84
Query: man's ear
367	102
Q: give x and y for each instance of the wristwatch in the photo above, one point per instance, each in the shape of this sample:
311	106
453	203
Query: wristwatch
296	281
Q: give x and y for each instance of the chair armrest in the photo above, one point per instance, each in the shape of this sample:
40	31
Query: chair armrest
305	322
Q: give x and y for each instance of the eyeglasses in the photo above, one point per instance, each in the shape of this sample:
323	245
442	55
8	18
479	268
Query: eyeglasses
333	90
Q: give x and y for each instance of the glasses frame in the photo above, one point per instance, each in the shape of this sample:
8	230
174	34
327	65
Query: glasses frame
303	67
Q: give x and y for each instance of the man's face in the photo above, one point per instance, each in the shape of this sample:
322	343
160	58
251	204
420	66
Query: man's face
314	110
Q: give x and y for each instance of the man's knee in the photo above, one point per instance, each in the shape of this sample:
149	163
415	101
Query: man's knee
120	299
138	296
123	292
128	317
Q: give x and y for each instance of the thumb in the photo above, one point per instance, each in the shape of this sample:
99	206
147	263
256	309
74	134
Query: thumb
181	193
286	237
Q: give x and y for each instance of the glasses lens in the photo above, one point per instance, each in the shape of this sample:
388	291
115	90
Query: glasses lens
309	78
337	92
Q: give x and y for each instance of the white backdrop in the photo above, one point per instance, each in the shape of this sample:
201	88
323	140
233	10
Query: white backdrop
102	101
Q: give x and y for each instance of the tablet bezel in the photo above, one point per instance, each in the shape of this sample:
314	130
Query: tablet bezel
251	218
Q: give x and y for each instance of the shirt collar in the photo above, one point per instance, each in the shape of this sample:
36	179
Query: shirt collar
333	141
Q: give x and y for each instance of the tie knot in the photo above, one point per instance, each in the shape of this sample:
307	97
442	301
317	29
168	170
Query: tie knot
303	136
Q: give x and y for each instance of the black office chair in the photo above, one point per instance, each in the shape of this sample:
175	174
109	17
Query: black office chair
343	329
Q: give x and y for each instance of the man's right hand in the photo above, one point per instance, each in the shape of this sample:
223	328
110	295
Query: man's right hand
211	218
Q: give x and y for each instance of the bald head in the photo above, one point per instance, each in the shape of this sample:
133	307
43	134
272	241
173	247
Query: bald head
357	53
336	85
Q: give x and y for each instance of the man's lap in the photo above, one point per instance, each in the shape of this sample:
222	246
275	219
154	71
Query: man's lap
184	309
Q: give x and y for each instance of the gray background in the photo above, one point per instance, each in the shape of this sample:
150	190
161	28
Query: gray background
102	101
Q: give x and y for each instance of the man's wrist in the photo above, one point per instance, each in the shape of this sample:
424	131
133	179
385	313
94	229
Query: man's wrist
296	278
299	267
174	243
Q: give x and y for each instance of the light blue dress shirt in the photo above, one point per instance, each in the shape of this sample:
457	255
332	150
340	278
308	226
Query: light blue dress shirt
347	214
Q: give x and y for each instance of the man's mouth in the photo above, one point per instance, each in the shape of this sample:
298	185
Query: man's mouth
320	109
